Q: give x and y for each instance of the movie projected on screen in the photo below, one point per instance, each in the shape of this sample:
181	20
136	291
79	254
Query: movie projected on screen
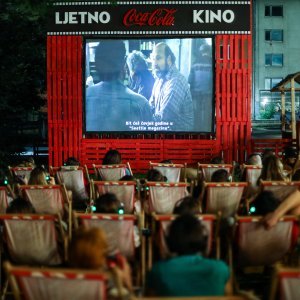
149	85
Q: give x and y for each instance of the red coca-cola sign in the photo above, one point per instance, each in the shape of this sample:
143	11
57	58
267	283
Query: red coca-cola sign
158	17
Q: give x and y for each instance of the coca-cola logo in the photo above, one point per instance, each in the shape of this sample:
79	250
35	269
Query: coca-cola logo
158	17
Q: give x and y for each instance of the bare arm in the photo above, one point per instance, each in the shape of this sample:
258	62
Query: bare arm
290	204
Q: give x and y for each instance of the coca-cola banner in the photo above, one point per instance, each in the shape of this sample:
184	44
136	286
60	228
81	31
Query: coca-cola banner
149	17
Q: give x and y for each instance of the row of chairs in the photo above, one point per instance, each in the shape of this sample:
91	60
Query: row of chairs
254	245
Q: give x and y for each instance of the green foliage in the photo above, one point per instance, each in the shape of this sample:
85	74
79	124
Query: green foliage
268	112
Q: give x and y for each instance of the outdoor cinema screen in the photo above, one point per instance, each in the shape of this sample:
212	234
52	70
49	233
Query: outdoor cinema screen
154	85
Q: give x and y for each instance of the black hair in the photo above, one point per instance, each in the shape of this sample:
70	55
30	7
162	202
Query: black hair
110	59
217	160
187	205
187	235
20	206
156	175
107	204
220	175
296	175
264	203
112	157
72	161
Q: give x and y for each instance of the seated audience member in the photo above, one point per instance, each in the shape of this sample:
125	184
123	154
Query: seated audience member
274	210
220	176
217	160
296	175
20	206
264	203
107	203
155	175
187	205
88	250
254	159
112	157
188	273
39	176
290	161
267	152
27	162
72	161
272	169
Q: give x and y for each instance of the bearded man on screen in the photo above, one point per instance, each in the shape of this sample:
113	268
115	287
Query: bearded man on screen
171	99
110	105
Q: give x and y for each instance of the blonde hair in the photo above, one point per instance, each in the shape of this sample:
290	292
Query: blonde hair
88	249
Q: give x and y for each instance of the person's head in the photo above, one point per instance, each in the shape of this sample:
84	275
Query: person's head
38	176
110	59
72	161
264	203
162	59
272	168
136	62
217	160
20	206
187	205
107	203
156	175
267	152
166	161
290	155
27	162
187	235
220	175
254	159
112	157
88	249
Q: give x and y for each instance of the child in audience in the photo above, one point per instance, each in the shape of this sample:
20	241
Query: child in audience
188	273
88	250
39	176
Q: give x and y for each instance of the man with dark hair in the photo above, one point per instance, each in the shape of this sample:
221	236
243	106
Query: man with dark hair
220	175
171	99
110	105
188	273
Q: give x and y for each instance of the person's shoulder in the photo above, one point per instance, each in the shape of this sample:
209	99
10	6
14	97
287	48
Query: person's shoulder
92	90
218	265
136	97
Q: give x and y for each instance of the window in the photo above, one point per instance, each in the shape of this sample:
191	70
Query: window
275	35
271	82
275	60
273	11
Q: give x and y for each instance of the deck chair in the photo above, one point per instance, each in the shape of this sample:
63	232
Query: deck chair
162	196
111	172
258	246
205	171
124	191
49	199
159	228
21	174
285	283
251	175
119	230
3	199
33	239
59	284
223	198
171	171
73	177
281	189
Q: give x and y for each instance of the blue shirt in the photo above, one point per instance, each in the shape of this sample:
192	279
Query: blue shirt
171	101
188	275
111	106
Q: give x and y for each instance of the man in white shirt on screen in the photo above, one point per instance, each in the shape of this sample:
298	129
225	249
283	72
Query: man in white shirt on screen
171	99
110	105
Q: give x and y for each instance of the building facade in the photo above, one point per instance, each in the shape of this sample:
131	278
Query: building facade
276	53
